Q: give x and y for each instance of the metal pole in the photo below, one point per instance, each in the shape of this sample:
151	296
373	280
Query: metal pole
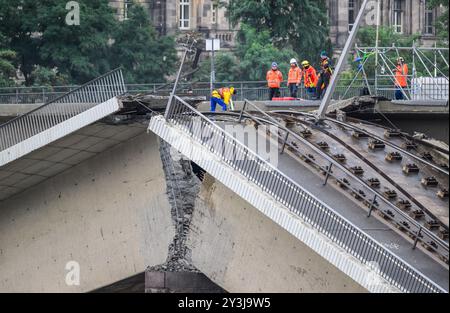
443	58
174	90
435	60
328	174
341	63
212	68
284	143
242	111
376	45
426	68
364	72
417	238
372	206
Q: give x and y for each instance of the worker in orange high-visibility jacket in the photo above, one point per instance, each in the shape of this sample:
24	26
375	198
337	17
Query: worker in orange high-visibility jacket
294	78
401	81
309	79
274	79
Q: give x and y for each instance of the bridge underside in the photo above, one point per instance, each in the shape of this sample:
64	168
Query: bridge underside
59	156
111	213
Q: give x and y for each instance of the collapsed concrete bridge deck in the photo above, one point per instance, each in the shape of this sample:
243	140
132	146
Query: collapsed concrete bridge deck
113	199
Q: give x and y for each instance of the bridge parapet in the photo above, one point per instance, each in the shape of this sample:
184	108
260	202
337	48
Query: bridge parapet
62	108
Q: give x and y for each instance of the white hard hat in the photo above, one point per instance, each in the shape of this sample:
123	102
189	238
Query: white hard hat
293	61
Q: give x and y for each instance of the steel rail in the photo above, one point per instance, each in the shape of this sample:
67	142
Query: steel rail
387	142
357	243
347	171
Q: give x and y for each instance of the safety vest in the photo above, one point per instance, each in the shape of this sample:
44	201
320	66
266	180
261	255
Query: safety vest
274	78
401	75
310	77
223	93
216	94
226	94
295	75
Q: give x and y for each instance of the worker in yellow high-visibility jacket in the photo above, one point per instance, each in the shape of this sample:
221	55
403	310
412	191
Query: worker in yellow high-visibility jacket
223	97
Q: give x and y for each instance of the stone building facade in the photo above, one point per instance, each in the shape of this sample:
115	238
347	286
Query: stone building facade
406	16
207	17
172	17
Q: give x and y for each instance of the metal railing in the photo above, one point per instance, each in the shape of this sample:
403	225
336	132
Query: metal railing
296	199
414	229
62	108
252	90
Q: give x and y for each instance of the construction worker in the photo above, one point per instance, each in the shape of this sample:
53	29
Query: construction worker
324	78
227	94
401	82
274	79
294	78
324	59
309	79
221	97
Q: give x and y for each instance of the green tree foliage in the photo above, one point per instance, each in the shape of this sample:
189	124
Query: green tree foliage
387	36
227	68
43	76
76	51
48	50
299	24
442	22
40	35
137	48
7	68
257	53
251	59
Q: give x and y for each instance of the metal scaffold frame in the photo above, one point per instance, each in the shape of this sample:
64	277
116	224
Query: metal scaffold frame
418	57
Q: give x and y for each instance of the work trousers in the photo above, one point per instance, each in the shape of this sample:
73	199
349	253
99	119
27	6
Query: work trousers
274	93
293	89
217	101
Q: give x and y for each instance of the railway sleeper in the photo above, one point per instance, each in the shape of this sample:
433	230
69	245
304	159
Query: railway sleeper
390	133
429	182
390	194
417	214
443	233
410	169
443	193
374	182
357	170
340	158
376	145
394	157
359	135
405	205
432	225
409	145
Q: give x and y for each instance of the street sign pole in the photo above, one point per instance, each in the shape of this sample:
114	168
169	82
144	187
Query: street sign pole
212	45
212	67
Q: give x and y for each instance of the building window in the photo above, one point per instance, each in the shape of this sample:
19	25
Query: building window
351	14
184	14
215	12
429	20
126	6
397	18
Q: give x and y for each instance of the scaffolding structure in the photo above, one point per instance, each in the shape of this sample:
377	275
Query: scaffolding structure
427	80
